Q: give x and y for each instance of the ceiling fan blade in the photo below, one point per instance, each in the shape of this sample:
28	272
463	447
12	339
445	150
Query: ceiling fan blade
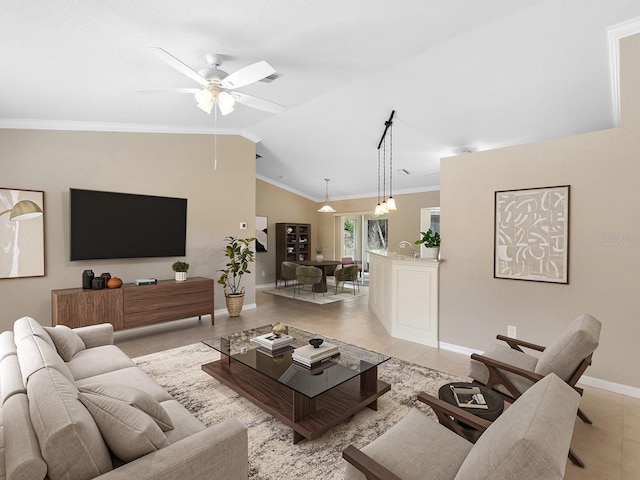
178	65
167	90
249	74
256	102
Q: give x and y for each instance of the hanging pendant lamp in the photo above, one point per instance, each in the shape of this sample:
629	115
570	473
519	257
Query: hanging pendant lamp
326	208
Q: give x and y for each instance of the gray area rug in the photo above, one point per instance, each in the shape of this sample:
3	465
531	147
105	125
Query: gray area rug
272	455
306	295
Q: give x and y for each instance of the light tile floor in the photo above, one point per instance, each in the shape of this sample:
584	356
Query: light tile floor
610	447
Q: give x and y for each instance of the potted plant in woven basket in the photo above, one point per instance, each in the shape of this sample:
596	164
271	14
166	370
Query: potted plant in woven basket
239	255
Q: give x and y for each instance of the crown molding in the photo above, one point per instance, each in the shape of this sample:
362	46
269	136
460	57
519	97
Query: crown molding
615	33
34	124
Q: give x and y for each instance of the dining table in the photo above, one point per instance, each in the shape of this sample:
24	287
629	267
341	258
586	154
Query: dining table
325	267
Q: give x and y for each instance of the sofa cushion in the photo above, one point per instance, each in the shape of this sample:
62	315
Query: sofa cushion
98	360
10	378
22	452
27	327
129	432
67	342
70	441
35	354
136	398
7	345
133	376
185	424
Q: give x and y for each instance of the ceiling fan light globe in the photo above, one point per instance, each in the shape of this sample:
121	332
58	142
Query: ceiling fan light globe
206	107
225	103
204	96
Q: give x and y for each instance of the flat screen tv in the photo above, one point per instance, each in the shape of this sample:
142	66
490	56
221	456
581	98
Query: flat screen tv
124	225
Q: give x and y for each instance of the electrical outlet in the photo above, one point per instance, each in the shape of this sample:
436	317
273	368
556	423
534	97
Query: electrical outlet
512	331
243	225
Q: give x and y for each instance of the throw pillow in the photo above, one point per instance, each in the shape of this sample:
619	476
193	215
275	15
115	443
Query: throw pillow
67	342
128	432
136	398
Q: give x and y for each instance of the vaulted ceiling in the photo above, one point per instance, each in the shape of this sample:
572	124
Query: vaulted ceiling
464	74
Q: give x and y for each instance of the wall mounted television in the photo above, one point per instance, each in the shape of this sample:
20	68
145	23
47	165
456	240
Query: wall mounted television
124	225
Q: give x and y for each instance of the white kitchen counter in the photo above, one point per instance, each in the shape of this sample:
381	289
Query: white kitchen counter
404	293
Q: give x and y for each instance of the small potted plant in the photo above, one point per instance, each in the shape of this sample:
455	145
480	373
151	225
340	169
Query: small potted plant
239	253
181	269
319	252
431	242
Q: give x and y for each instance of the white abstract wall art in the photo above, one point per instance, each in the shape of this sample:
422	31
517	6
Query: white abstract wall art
532	234
21	233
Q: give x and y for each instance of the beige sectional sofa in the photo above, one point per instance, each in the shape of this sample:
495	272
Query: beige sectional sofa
74	406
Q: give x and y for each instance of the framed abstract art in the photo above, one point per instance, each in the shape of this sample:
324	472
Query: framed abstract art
531	235
21	233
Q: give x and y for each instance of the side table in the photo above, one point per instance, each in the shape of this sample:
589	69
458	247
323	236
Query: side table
495	405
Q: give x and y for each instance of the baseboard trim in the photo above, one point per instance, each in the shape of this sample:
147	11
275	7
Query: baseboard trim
585	380
223	311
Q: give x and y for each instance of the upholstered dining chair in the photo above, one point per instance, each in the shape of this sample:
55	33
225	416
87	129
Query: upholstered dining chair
510	371
529	441
288	272
347	274
346	261
307	275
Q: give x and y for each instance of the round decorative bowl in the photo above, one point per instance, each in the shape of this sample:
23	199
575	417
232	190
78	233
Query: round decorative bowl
316	342
114	282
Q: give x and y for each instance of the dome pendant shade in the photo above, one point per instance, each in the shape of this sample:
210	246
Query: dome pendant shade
326	208
391	204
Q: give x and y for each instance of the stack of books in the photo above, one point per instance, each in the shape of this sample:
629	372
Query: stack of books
469	397
273	344
311	357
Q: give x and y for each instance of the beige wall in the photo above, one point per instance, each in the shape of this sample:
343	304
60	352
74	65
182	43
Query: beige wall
283	206
155	164
279	206
603	169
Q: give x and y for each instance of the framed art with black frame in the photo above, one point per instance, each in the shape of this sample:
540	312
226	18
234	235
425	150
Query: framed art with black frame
531	234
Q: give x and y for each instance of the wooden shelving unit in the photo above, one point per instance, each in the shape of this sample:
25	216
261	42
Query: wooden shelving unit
293	243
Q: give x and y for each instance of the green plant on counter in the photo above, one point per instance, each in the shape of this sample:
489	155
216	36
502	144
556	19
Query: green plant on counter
429	239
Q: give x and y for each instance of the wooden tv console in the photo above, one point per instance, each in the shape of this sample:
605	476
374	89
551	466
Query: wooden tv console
133	306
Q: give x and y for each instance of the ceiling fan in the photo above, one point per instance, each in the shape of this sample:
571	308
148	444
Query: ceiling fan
217	87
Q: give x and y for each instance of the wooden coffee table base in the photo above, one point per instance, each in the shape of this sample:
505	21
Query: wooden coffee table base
308	417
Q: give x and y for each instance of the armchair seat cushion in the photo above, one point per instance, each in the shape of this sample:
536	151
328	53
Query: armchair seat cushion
417	448
479	372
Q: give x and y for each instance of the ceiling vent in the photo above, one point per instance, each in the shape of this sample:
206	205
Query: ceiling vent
402	171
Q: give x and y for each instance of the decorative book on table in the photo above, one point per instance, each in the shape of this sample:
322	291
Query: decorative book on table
469	397
146	281
309	354
304	363
272	341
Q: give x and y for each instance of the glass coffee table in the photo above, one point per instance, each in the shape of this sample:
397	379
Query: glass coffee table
311	402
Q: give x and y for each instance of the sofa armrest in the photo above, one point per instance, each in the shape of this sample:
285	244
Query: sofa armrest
218	452
96	335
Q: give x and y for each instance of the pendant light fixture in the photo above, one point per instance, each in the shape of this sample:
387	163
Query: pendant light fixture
326	208
388	204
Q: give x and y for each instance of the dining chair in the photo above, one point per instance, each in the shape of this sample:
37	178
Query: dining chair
347	274
288	271
307	275
346	261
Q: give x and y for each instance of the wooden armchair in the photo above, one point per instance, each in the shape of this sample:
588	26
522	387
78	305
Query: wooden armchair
529	441
510	371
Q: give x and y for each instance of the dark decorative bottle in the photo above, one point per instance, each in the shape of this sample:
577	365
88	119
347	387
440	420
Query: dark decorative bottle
87	279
